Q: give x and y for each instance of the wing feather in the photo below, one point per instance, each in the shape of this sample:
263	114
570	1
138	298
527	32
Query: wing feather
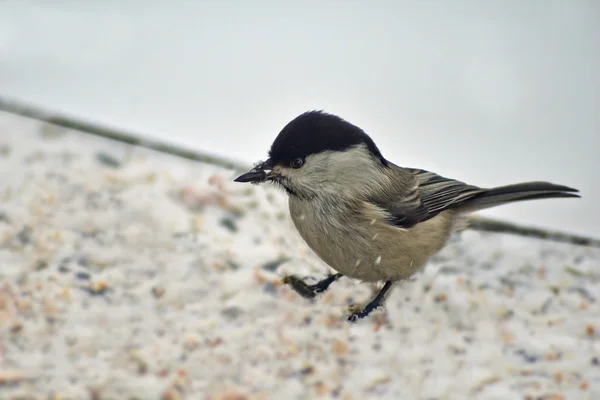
421	195
430	195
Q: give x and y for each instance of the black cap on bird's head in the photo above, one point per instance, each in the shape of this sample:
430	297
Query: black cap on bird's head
310	133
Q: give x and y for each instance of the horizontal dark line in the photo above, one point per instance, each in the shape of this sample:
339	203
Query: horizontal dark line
498	226
70	122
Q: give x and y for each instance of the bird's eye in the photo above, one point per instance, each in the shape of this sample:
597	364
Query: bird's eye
297	163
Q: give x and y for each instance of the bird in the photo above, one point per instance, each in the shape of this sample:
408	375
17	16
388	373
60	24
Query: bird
364	216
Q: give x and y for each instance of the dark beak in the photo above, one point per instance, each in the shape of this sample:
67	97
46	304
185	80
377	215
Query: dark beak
260	173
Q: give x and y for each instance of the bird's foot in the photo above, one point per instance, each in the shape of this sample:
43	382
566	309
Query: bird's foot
300	286
356	313
310	291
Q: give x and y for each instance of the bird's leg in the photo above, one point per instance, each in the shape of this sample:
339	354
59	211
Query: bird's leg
373	305
324	284
310	291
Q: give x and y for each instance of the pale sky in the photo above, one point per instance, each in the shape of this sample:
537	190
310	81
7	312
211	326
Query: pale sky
490	93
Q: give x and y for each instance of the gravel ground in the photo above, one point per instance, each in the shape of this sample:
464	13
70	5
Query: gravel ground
130	274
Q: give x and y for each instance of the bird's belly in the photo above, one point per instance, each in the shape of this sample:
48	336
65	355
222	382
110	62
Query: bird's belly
352	255
371	251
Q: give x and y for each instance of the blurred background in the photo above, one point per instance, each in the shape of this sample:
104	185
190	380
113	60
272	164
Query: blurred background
490	93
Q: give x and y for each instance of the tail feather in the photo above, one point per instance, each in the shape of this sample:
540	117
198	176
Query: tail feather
518	192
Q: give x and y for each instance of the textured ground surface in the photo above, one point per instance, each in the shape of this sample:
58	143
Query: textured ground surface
126	273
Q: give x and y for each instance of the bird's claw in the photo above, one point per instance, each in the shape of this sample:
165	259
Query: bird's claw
357	313
310	291
300	287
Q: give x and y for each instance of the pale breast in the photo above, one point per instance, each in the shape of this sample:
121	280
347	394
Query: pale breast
371	250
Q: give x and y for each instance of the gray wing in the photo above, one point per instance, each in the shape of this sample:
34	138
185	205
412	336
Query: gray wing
429	195
439	193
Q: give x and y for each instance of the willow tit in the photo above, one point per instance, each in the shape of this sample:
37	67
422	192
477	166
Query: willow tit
366	217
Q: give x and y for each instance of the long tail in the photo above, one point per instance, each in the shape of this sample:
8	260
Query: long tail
518	192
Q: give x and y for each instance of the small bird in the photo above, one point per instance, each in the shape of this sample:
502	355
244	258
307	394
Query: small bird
364	216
